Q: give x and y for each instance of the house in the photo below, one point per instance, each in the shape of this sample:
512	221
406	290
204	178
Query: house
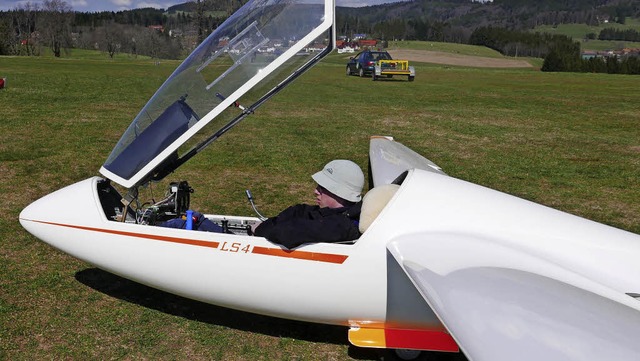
367	42
315	47
175	33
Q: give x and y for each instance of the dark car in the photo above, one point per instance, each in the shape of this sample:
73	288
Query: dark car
364	63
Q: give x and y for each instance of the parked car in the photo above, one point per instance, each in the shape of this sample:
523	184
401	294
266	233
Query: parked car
364	62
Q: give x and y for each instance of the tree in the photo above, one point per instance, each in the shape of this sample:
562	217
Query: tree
613	65
200	20
24	19
5	35
150	44
553	62
113	38
55	24
621	15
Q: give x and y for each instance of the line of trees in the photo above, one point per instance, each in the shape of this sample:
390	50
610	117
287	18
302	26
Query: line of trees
140	17
25	30
31	28
419	29
557	61
511	14
523	43
619	34
560	52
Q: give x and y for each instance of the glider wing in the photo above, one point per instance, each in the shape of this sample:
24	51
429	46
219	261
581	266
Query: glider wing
500	303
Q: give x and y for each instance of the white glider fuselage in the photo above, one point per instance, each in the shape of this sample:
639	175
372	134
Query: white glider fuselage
330	283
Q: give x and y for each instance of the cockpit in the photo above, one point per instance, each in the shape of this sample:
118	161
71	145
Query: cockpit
248	59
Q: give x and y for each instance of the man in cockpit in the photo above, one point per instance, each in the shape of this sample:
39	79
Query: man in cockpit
334	219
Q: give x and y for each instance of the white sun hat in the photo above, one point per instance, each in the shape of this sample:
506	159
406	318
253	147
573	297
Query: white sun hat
343	178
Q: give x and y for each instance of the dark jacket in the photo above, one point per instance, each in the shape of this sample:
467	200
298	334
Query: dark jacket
303	223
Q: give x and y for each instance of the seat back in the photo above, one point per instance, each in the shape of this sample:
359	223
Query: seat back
373	202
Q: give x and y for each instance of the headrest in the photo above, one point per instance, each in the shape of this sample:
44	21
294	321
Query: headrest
373	203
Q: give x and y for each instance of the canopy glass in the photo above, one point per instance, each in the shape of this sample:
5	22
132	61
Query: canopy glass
250	57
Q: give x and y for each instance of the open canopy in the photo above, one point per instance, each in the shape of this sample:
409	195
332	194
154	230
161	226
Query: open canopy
250	57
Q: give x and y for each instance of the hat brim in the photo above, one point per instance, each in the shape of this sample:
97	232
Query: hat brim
336	188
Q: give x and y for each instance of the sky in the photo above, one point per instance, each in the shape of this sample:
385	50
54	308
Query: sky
116	5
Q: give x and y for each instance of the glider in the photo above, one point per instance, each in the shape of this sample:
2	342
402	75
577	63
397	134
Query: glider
442	264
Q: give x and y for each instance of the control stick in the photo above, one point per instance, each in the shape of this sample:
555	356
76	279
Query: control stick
250	198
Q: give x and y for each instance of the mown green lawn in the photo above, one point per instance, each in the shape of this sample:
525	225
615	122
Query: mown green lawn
569	141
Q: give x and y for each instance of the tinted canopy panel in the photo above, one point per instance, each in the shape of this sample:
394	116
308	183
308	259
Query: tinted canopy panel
249	55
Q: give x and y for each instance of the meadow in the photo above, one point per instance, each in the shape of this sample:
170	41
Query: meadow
462	49
579	33
569	141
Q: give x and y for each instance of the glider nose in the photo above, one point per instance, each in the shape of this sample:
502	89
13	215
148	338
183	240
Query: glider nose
73	205
39	213
28	214
43	209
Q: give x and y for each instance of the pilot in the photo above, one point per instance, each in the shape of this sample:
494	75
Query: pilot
333	219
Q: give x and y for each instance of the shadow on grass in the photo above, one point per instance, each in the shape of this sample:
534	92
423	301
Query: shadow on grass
130	291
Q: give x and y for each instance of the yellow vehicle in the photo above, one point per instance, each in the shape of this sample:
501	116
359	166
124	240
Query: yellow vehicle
389	68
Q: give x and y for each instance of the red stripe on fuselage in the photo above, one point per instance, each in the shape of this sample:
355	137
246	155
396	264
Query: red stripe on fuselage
310	256
277	252
192	242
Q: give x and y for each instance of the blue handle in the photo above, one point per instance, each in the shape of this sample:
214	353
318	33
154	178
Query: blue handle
189	224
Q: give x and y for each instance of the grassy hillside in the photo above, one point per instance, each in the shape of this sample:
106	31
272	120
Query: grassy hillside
602	45
570	141
579	32
462	49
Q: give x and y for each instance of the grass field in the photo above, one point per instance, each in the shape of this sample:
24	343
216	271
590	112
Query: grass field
462	49
570	141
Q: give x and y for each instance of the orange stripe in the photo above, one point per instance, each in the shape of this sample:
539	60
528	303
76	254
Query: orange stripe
192	242
277	252
367	337
311	256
